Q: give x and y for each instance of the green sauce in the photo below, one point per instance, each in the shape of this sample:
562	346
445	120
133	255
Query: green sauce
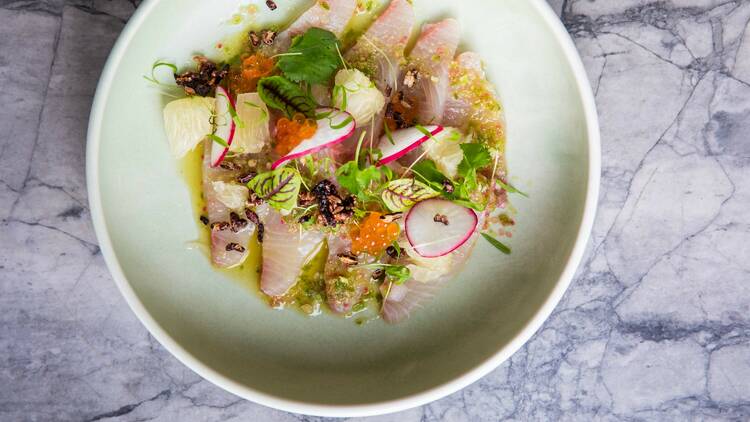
309	291
246	274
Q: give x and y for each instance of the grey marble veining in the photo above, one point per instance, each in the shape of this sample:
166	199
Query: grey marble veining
656	325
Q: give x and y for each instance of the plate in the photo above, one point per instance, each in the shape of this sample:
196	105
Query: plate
219	326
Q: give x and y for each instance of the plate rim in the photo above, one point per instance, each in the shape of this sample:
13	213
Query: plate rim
358	410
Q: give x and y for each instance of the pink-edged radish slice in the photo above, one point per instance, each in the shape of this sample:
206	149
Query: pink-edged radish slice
402	141
437	227
334	126
225	126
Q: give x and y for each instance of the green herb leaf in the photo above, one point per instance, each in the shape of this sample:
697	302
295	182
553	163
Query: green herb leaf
397	248
400	195
398	274
476	156
427	172
218	139
342	124
497	244
279	187
510	188
358	181
157	65
319	58
468	203
233	113
282	94
388	133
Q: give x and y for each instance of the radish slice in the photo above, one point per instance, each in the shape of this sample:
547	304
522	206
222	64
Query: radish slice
334	127
225	126
428	233
402	141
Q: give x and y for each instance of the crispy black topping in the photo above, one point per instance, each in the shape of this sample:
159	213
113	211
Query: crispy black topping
440	218
204	80
236	223
219	226
268	37
261	231
254	38
348	258
265	36
271	4
390	218
333	209
246	178
235	247
392	252
204	220
378	274
253	200
253	217
230	165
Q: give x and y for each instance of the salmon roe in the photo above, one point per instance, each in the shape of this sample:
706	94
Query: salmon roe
373	235
290	132
251	70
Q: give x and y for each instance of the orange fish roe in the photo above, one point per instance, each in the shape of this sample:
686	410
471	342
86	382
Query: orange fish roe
373	235
251	70
289	133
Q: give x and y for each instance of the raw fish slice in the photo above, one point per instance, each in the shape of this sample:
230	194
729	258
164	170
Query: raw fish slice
342	297
457	107
431	57
331	15
475	101
404	299
219	213
285	251
379	53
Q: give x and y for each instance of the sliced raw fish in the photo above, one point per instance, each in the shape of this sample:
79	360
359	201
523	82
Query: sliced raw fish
331	15
285	251
457	107
343	294
229	241
431	58
379	53
473	100
403	299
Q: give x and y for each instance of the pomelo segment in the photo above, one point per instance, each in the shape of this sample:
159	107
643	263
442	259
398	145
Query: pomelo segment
187	121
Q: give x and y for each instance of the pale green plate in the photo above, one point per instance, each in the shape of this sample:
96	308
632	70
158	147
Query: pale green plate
327	365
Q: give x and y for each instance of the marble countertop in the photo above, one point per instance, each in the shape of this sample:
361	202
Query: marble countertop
656	325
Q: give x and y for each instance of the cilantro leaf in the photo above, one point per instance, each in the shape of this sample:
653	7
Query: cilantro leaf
358	181
476	156
427	172
313	57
